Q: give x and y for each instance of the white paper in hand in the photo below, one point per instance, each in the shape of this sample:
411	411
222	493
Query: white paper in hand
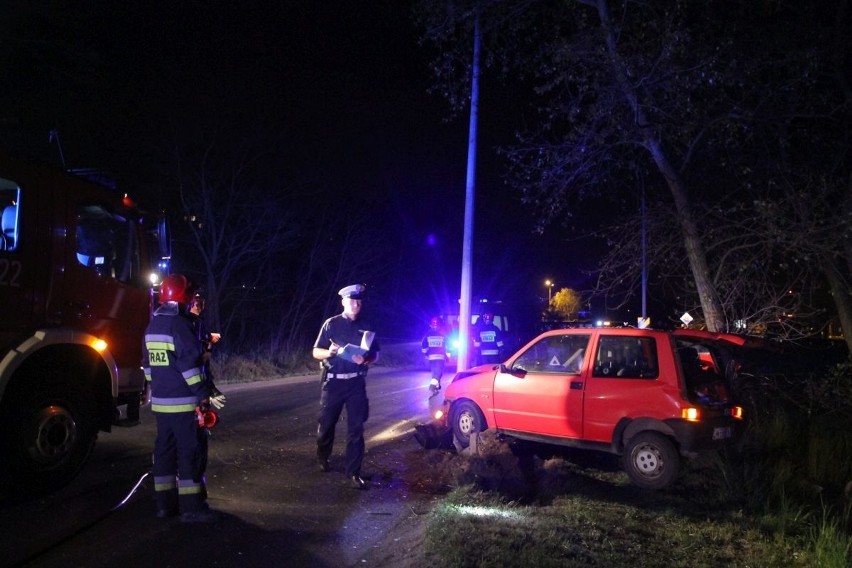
348	351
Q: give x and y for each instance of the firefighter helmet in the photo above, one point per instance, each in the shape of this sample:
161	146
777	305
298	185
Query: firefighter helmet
176	288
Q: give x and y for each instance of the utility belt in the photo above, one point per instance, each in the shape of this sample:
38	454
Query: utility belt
345	376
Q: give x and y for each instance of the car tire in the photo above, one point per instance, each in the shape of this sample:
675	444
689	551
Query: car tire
467	420
48	440
651	460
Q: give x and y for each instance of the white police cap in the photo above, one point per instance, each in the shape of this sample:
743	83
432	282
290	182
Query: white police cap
355	291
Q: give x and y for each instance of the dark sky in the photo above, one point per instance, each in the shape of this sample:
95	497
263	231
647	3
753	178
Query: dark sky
335	88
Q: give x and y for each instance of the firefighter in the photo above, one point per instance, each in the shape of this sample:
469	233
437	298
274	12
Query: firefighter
345	347
488	340
179	389
217	399
434	347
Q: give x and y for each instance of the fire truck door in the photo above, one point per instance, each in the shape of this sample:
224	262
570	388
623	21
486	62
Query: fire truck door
105	293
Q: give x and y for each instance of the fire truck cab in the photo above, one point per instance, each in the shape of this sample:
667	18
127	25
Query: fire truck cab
77	264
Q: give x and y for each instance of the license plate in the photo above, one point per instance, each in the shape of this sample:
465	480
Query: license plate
722	433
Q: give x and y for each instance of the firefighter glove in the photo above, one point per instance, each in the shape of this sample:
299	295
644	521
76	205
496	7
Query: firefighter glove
217	401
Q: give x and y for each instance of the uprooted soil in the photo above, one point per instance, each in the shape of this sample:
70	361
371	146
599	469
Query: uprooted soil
496	467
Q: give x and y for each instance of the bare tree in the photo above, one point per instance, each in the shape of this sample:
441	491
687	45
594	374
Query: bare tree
684	96
238	229
339	247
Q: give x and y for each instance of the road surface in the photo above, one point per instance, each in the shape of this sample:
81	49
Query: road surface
279	508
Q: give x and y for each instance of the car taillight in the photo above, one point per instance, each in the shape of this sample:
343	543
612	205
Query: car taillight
691	414
736	412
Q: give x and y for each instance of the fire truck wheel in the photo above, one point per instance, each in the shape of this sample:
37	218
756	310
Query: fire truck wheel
467	419
651	460
49	441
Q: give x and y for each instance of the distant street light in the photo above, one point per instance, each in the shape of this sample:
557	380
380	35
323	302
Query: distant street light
549	285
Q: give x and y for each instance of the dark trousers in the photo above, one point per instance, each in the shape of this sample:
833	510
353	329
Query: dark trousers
180	454
436	367
337	393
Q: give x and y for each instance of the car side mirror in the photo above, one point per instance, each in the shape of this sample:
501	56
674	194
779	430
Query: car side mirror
514	371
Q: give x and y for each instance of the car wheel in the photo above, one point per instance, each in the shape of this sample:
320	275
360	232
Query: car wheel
651	460
467	419
49	441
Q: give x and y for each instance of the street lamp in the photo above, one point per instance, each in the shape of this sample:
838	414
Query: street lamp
549	285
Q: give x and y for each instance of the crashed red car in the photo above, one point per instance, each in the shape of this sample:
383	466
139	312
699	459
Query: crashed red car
649	396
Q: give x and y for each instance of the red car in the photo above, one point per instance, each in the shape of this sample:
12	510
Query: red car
648	396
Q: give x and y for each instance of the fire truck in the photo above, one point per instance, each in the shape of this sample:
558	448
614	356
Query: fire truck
78	266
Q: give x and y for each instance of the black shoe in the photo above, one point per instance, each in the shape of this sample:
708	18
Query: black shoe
166	513
357	483
324	466
203	516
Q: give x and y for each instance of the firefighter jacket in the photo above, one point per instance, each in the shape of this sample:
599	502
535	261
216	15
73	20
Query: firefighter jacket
172	361
488	339
434	345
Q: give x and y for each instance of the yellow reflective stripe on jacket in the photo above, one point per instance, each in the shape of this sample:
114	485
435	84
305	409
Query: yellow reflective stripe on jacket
192	376
160	341
174	405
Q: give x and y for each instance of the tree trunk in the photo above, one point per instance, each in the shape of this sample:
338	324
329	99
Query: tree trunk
842	298
710	305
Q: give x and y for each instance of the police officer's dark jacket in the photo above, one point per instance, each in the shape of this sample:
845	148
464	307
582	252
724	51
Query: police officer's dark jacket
342	330
172	361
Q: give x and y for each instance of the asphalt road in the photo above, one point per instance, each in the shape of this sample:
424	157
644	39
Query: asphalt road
279	509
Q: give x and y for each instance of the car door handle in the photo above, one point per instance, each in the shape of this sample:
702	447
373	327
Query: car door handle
577	385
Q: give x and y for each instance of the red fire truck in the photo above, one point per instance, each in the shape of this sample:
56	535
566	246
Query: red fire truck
78	262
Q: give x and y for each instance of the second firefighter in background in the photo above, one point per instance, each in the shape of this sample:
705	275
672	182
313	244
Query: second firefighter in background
488	340
434	347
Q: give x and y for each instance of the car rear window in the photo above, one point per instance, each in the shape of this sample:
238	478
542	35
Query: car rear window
626	357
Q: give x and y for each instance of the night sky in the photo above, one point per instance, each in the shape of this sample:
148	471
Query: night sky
337	90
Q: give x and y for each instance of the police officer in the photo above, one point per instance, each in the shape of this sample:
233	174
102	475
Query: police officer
488	340
434	347
345	347
173	366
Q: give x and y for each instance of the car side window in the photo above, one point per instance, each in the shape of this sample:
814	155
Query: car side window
554	354
626	357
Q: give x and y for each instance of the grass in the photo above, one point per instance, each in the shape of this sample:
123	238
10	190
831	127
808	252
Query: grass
261	367
783	497
572	515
